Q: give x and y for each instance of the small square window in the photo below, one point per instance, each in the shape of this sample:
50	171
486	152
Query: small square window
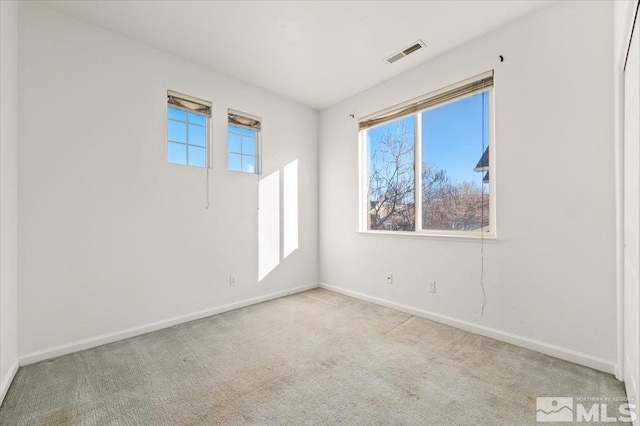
187	130
243	143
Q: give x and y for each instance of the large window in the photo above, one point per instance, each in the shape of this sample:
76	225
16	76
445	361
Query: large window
427	166
243	142
187	130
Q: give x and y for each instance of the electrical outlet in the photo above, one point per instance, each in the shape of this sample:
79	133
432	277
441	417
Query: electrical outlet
233	280
431	286
389	278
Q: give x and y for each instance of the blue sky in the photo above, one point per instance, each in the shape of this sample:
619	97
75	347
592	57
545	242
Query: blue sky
452	136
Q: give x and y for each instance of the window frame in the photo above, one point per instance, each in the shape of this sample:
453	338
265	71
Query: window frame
207	146
363	162
258	138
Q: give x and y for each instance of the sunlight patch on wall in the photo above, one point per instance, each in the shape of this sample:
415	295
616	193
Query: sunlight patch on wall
269	224
290	207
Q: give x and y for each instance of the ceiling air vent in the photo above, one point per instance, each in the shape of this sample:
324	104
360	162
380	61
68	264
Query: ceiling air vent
404	52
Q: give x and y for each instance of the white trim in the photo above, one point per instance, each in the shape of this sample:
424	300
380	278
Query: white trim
618	167
137	331
524	342
631	388
619	251
445	236
417	174
8	378
493	173
363	184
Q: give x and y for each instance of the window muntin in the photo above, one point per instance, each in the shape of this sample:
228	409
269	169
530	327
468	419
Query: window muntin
188	121
243	142
452	193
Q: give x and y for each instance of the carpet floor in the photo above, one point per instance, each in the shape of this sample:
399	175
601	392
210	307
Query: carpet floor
316	357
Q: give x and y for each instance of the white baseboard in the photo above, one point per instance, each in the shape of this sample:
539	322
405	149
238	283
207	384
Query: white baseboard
136	331
7	379
525	342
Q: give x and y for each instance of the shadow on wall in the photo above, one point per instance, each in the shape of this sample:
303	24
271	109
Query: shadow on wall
273	208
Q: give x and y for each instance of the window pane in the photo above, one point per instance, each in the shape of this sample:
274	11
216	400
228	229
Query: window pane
197	135
248	132
177	153
455	154
248	164
391	176
176	114
197	156
233	129
235	162
177	131
248	146
234	143
197	119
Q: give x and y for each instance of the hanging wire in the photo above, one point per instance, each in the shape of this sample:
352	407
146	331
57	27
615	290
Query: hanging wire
484	294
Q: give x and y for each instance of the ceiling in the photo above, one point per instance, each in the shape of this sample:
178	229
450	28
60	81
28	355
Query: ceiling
316	53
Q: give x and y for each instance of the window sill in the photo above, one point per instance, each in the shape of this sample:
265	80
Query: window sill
244	173
445	237
189	166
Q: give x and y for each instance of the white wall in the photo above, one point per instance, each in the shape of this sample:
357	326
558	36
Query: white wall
8	193
550	276
113	241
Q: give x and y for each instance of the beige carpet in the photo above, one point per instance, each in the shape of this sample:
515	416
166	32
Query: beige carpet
313	358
